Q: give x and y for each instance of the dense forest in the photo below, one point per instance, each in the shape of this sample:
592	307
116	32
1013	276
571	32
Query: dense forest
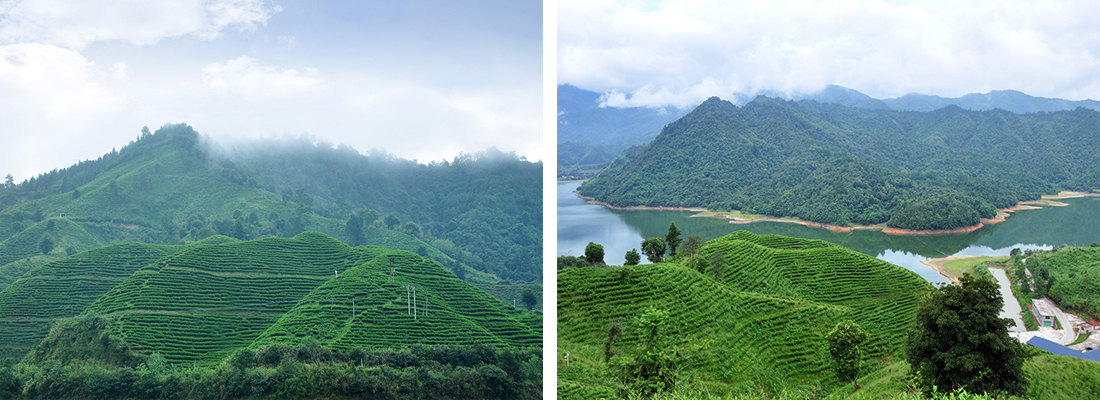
842	165
307	316
480	212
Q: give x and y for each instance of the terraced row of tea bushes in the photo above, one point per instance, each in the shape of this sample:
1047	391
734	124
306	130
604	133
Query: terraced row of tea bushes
882	296
448	310
760	330
208	300
737	332
24	245
65	288
203	338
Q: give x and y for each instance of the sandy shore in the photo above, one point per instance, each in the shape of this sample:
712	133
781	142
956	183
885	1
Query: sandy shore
940	263
1047	200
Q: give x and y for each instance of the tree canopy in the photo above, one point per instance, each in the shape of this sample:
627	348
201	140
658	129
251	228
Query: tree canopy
958	342
654	249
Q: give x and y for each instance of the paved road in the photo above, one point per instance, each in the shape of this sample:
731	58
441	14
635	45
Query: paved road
1068	335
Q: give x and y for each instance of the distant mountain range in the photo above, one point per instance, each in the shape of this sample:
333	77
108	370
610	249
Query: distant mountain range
590	136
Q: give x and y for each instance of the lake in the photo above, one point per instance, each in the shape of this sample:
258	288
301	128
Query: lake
622	230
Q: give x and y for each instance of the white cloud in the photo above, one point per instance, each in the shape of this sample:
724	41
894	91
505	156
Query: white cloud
139	22
51	81
245	76
50	99
679	53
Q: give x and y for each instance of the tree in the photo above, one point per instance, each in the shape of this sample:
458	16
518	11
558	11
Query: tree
959	343
654	249
46	244
672	239
529	298
691	246
76	193
391	221
717	265
412	229
652	368
9	181
50	225
846	349
354	229
632	257
593	254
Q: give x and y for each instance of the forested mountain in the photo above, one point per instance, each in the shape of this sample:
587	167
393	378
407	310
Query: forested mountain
1010	100
590	136
843	165
481	211
171	314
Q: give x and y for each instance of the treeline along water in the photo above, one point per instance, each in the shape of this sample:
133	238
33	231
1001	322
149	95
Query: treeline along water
621	230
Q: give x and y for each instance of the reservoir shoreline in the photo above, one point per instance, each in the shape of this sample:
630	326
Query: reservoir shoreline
1002	214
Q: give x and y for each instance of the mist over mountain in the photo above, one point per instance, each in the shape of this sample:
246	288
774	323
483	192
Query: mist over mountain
480	211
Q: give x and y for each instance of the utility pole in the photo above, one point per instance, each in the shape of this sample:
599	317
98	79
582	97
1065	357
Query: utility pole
408	305
392	269
414	302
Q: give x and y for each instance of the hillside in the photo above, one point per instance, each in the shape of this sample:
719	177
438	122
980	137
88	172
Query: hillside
755	330
206	301
842	165
480	213
64	288
221	313
1067	274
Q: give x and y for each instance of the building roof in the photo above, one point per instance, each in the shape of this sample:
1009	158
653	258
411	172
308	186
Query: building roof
1042	307
1059	349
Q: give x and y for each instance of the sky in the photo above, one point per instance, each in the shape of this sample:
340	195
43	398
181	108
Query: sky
424	80
678	53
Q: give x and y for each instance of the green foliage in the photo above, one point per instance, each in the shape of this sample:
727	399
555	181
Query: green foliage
654	249
632	257
593	254
529	298
691	246
672	239
840	165
46	244
758	332
294	371
571	261
1069	276
959	342
846	350
653	368
487	205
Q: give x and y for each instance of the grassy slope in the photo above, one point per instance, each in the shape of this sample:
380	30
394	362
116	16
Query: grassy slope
759	331
20	253
202	303
457	313
29	306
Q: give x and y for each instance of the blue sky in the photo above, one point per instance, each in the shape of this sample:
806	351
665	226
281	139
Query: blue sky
679	52
422	80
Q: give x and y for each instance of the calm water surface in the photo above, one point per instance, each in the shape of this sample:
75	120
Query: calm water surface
622	230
